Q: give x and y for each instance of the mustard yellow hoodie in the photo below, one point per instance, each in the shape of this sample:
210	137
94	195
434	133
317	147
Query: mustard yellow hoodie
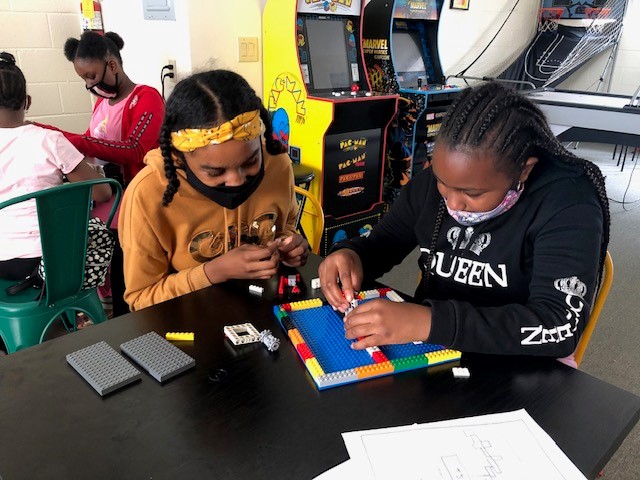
165	247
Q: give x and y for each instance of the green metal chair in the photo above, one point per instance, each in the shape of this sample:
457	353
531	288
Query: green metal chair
63	216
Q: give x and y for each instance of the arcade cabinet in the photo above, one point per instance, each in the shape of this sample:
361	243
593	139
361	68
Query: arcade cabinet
324	111
400	46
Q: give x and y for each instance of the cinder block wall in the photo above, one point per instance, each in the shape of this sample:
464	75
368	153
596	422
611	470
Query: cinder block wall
34	31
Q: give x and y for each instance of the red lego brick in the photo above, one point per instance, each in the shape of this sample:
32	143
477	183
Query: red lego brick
379	357
303	350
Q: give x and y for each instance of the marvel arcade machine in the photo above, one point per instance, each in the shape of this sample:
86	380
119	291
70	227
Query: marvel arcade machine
400	48
324	111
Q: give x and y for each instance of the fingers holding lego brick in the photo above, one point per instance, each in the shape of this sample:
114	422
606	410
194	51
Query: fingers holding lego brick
244	262
381	322
294	250
340	276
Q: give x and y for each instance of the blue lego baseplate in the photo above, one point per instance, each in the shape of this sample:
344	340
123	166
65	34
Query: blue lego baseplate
317	332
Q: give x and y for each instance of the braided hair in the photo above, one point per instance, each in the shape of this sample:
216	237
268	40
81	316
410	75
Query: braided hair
13	85
93	46
206	100
512	129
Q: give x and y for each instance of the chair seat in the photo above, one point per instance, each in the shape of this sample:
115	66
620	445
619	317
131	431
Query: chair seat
302	174
26	296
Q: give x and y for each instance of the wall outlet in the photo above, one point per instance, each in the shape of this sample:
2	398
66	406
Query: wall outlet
171	79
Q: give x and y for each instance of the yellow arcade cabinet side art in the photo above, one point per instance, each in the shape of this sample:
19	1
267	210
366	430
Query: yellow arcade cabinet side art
323	110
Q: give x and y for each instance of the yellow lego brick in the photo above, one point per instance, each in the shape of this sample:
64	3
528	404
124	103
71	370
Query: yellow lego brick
443	356
374	370
180	336
305	304
314	367
295	337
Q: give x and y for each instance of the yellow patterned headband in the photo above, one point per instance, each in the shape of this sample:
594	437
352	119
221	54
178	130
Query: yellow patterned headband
245	126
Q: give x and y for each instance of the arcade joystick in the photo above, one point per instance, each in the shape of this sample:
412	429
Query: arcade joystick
354	89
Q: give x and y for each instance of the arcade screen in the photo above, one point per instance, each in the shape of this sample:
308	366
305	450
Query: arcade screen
328	54
416	9
407	58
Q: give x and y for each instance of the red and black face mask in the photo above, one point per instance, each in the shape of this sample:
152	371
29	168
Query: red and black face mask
104	90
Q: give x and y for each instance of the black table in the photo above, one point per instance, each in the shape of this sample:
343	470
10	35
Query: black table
267	420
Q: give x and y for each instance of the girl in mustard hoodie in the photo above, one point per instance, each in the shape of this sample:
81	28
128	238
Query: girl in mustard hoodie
215	202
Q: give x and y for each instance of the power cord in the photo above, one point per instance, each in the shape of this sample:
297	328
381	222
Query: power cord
163	76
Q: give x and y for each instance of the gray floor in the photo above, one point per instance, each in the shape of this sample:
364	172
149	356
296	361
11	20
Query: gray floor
612	354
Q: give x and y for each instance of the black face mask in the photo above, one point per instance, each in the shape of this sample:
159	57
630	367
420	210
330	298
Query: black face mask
227	197
104	90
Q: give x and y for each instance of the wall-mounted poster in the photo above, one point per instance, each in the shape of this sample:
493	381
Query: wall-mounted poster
459	4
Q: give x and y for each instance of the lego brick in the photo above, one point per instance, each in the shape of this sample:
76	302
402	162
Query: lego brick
314	367
303	351
410	363
305	304
461	372
103	368
394	296
256	289
338	378
179	336
242	333
375	370
295	337
442	356
315	283
160	358
379	357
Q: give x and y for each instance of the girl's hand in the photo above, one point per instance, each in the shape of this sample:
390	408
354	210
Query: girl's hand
343	265
293	250
244	262
383	322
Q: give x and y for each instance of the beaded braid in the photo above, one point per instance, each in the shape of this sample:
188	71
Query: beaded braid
169	167
498	120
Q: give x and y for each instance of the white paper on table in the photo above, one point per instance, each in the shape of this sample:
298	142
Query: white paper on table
500	446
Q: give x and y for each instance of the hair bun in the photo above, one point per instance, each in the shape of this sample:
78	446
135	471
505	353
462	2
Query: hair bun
116	39
7	58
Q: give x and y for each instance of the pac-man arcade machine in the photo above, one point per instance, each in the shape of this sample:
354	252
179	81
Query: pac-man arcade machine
324	111
400	49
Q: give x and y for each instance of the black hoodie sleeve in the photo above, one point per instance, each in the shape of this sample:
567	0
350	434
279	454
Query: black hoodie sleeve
561	291
394	237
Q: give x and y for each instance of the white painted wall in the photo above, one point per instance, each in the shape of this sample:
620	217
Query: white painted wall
214	27
34	31
203	36
463	34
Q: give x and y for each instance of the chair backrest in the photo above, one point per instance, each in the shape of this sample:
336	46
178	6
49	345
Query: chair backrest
601	298
310	218
63	217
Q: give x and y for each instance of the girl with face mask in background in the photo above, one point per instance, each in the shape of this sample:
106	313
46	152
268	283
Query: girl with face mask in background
512	228
216	200
126	119
124	126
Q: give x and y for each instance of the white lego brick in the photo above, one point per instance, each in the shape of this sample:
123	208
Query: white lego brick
394	296
256	289
315	283
461	372
242	334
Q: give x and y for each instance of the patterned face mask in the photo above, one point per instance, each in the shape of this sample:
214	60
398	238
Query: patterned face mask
473	218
